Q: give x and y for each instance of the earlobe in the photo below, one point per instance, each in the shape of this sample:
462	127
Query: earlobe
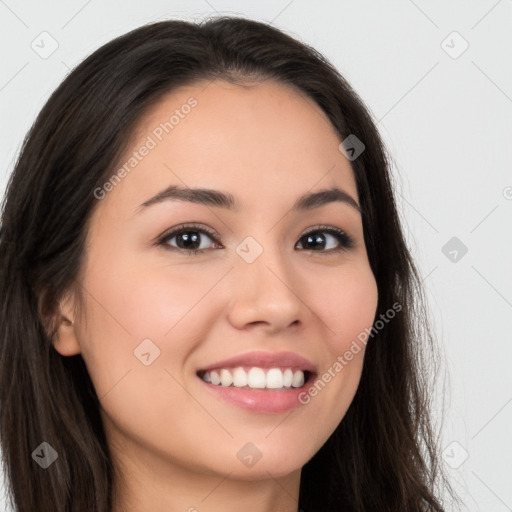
65	340
63	332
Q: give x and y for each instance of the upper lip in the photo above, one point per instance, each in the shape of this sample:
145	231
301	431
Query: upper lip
265	360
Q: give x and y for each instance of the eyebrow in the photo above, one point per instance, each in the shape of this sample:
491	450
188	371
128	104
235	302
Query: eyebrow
216	198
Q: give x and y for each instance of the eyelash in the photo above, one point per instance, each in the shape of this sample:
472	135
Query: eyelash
346	242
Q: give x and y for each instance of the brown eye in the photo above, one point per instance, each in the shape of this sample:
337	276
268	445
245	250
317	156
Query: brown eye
189	239
325	240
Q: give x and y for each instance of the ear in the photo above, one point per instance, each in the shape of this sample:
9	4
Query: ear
64	339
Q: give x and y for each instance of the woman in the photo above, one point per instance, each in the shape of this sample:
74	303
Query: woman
208	302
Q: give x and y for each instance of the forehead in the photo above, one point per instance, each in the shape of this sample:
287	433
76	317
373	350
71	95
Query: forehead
252	139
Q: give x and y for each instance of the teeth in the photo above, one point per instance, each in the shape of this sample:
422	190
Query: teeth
274	378
239	377
214	378
298	379
287	378
256	378
225	378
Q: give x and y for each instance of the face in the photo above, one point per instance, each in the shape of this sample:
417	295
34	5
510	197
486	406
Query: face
271	274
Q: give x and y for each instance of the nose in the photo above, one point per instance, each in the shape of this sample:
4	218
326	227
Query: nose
265	293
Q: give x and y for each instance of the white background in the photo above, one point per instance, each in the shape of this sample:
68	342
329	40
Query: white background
448	124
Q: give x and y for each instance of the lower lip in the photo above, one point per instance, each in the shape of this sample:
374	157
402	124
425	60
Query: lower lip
259	400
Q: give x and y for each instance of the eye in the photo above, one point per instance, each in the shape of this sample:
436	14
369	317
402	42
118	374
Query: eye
190	239
325	239
194	239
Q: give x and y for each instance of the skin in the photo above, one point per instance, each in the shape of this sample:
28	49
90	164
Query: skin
174	444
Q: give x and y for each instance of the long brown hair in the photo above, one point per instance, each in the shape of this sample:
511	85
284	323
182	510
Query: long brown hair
381	457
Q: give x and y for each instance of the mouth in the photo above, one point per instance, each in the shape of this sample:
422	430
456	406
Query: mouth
259	381
260	370
258	390
258	378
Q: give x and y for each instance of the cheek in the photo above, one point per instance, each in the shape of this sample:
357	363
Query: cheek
127	304
147	300
350	312
347	303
